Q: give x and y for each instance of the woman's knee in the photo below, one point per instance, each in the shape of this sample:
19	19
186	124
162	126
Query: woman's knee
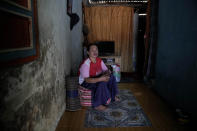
102	84
112	77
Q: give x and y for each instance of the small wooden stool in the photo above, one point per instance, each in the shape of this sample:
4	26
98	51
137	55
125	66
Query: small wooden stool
85	96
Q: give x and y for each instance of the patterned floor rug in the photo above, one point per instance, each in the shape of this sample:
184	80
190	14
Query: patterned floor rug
126	113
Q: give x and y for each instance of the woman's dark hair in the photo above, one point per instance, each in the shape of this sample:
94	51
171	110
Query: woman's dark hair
88	47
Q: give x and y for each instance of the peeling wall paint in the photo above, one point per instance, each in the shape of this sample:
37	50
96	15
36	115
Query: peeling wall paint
32	96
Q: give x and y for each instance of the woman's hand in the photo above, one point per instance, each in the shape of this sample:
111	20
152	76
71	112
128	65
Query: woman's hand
104	78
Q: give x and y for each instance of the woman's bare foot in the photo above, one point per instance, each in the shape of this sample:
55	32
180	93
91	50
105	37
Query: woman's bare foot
117	99
101	108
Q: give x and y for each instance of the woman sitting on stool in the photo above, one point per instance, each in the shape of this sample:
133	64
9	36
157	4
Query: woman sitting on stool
94	75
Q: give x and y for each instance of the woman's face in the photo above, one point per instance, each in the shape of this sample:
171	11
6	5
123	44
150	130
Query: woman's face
93	52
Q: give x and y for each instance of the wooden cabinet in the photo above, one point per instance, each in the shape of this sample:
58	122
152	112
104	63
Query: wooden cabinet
110	60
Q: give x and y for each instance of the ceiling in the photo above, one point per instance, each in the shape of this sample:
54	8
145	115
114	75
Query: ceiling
139	5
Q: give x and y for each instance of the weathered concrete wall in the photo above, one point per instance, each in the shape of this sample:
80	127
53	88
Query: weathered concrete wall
32	96
77	37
